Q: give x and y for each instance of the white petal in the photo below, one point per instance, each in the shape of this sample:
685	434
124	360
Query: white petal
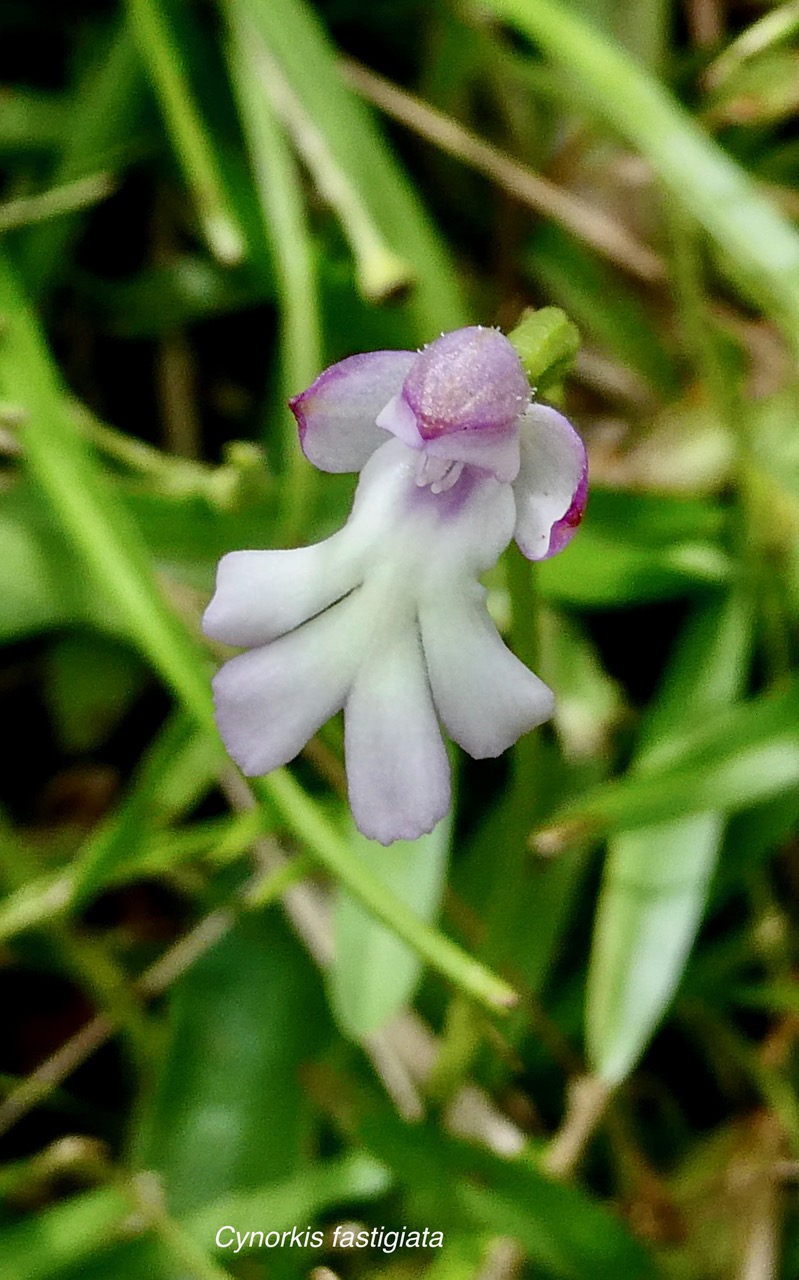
337	414
464	529
262	594
270	701
484	695
471	526
397	767
551	485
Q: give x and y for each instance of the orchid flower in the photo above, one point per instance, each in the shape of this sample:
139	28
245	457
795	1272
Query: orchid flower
387	618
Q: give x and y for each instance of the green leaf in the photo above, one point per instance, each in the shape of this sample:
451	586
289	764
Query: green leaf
653	897
656	878
599	571
243	1020
374	973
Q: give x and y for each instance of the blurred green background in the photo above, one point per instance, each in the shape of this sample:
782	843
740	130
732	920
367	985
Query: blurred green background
561	1030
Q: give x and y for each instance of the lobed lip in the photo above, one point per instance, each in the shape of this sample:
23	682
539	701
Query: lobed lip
387	617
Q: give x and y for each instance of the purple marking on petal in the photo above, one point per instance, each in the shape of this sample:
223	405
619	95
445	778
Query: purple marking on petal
551	487
469	380
337	414
564	529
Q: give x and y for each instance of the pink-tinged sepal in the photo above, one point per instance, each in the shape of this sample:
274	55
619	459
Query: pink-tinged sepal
337	415
468	380
551	487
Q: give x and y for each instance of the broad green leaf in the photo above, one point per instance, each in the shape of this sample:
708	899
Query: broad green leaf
653	897
243	1020
374	973
656	878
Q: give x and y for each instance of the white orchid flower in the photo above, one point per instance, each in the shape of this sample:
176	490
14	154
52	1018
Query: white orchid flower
387	618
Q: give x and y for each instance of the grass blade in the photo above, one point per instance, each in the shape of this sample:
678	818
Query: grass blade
759	244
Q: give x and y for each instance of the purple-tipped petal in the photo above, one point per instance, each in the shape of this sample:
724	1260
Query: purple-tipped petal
263	594
397	767
468	380
485	696
337	414
564	529
271	700
552	484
